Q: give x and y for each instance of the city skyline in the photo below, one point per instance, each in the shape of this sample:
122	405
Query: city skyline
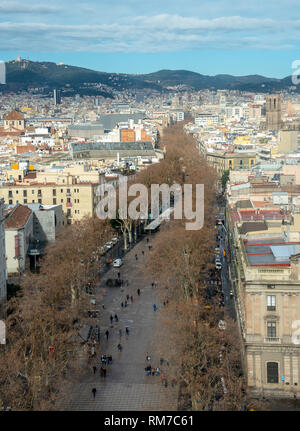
237	39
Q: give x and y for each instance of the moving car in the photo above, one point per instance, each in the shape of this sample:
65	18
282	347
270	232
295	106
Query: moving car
218	265
117	263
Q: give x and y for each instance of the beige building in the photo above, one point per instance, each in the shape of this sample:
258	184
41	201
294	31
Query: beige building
264	260
273	112
288	141
14	120
2	255
223	161
78	199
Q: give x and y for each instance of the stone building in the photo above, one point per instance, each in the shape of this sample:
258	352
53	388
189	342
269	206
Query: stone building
264	255
273	112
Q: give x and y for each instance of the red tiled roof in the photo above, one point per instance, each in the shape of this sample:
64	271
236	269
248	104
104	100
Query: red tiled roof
18	217
14	115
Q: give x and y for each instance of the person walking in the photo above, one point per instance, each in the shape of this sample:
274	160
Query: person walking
152	284
116	318
148	357
131	298
107	334
125	303
122	305
127	331
104	372
154	307
127	297
111	319
120	347
149	246
143	253
94	390
138	292
136	257
147	240
94	369
119	275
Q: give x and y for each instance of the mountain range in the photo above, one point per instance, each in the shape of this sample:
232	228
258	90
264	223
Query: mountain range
24	74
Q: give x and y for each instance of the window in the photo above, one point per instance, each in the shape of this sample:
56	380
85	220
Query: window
33	201
39	201
25	193
32	191
68	191
271	329
61	190
54	201
39	192
272	372
10	201
17	191
25	201
53	192
68	212
61	200
271	302
10	194
68	200
271	286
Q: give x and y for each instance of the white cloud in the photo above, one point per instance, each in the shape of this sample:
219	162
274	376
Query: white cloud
157	33
26	8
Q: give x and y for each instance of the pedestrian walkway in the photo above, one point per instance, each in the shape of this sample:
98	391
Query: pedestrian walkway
126	385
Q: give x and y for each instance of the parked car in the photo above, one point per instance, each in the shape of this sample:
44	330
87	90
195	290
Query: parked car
108	245
117	263
114	240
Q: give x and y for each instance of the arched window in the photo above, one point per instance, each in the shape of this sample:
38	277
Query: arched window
272	372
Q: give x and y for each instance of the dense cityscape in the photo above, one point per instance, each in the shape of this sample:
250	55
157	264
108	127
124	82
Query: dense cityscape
149	234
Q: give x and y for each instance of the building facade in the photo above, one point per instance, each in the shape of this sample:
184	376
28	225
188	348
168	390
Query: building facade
3	272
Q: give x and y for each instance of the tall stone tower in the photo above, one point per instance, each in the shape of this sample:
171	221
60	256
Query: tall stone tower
273	112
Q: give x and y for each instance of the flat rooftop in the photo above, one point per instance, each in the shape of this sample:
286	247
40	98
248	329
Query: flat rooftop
270	252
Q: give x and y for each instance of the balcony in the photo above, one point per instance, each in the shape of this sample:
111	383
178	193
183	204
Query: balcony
275	340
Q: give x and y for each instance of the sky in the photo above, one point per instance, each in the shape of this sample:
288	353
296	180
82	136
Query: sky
235	37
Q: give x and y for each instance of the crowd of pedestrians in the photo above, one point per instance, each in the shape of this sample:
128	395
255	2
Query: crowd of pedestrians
106	360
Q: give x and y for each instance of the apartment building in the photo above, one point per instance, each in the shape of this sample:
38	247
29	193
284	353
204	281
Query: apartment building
225	160
264	256
78	199
3	272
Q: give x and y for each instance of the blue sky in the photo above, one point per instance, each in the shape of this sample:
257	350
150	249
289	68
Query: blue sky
134	36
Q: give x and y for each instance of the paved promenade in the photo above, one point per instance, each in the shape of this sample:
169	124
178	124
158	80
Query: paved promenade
126	386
